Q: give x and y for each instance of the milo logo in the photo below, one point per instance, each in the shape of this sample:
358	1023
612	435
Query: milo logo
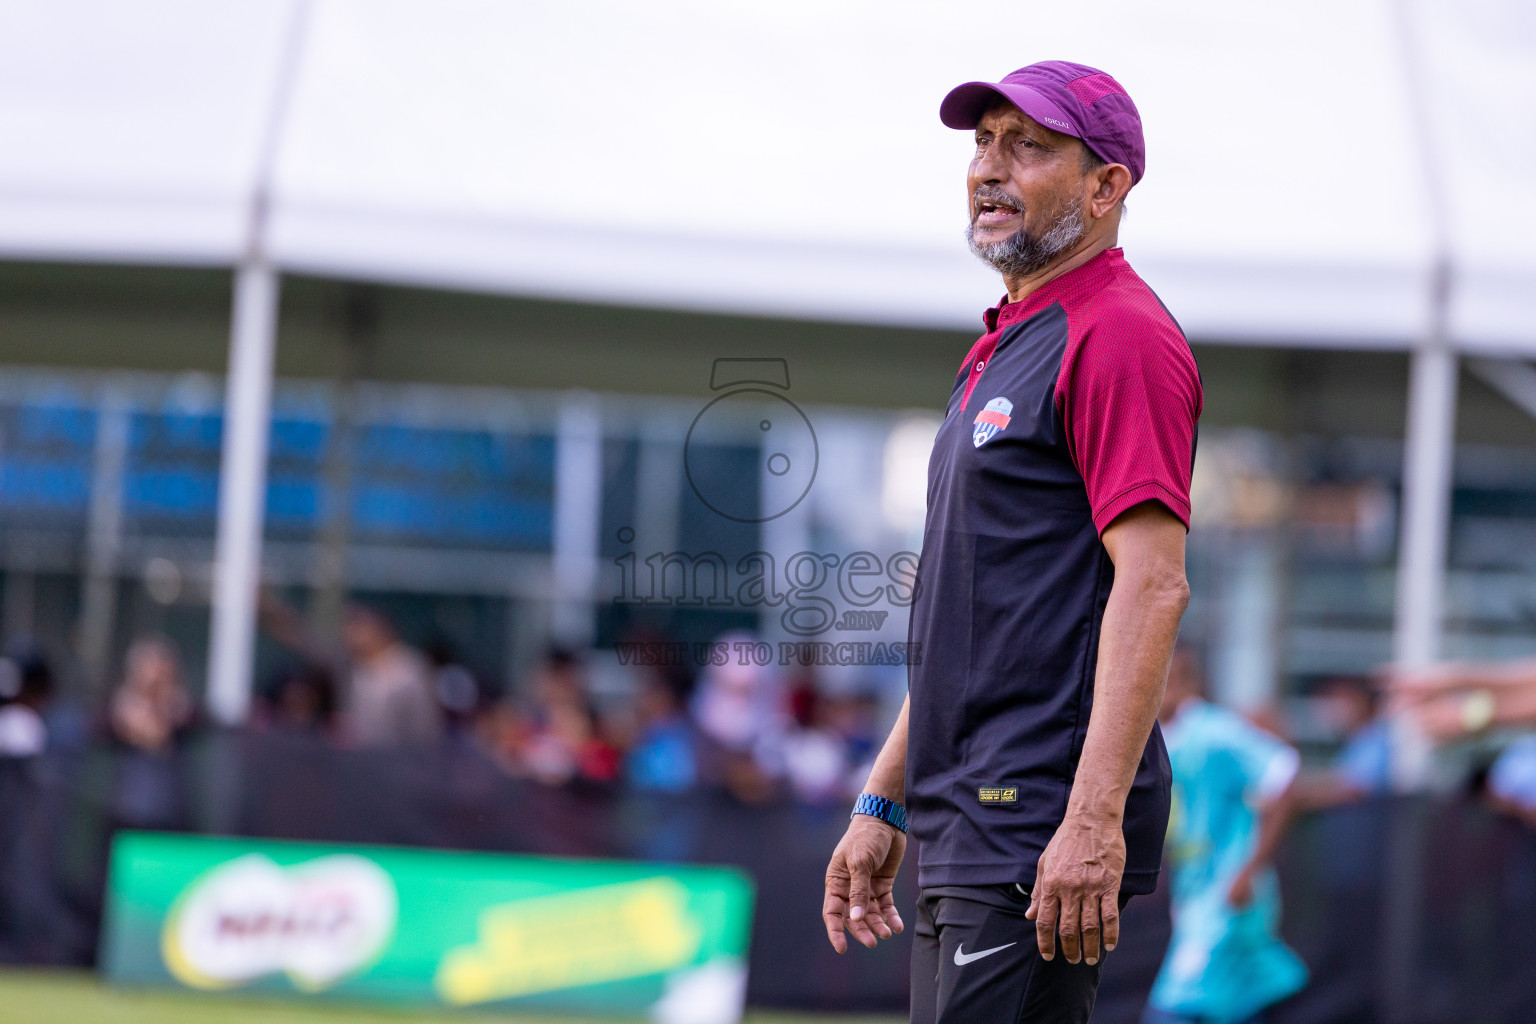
317	922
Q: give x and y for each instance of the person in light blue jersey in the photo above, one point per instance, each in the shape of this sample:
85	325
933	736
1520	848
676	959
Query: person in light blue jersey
1232	798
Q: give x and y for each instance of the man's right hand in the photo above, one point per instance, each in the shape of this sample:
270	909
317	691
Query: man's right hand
859	881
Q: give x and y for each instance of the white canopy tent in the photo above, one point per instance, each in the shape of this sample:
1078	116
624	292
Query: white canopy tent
1354	173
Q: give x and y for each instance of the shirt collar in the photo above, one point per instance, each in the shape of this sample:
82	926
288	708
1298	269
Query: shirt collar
1006	314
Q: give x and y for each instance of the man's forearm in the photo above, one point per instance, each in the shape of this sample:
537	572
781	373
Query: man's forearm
888	777
1141	623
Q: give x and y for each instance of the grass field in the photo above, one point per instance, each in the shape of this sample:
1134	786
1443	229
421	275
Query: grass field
78	997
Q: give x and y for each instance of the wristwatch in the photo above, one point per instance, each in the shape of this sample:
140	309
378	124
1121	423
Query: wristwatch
888	811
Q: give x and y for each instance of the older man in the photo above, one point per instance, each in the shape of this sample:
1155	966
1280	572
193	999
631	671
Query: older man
1051	585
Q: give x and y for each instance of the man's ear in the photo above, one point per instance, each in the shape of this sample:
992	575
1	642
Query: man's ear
1111	183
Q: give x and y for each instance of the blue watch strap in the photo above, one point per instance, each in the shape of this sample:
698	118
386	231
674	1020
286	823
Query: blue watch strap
888	811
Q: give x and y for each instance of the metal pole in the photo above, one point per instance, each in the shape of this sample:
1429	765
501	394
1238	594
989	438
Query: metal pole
578	510
1427	464
1430	434
1426	504
242	492
1427	452
1425	523
247	416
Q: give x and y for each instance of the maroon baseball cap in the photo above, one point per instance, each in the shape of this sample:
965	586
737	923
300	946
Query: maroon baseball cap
1071	98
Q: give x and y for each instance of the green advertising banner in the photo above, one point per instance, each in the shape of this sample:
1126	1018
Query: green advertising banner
425	926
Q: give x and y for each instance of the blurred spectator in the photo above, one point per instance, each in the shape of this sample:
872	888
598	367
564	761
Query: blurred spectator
151	707
566	740
304	700
664	757
504	732
855	716
388	701
36	924
816	756
26	684
455	687
149	715
1349	707
1352	837
1512	780
1365	762
739	710
1231	805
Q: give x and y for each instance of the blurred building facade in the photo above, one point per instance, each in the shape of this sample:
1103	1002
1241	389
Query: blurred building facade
415	461
486	378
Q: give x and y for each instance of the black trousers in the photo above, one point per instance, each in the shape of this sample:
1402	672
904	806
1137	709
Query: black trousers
975	960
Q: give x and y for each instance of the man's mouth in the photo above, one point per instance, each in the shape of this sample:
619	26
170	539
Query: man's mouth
993	213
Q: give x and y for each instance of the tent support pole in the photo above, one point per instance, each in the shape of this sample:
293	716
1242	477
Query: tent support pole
1421	571
578	503
1426	505
1426	511
242	491
247	417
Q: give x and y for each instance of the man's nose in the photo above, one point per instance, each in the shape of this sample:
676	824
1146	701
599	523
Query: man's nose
990	168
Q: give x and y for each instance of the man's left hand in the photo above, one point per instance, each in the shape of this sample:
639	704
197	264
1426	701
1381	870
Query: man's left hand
1077	889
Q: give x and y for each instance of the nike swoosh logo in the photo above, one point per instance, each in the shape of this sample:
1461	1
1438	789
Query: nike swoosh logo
962	957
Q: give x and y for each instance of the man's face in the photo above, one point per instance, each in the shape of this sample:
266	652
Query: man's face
1345	705
1025	190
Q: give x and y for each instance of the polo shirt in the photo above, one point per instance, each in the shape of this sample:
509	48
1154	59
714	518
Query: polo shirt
1079	402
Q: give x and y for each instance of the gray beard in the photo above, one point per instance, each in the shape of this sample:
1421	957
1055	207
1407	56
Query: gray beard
1022	254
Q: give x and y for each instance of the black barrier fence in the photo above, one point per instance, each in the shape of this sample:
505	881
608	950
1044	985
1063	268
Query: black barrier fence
1407	911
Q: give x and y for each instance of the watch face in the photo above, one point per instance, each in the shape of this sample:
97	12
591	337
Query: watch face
786	460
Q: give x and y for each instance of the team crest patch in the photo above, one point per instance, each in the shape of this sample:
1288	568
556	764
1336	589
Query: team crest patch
991	420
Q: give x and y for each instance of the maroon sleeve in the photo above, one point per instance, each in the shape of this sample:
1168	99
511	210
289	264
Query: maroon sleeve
1129	394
